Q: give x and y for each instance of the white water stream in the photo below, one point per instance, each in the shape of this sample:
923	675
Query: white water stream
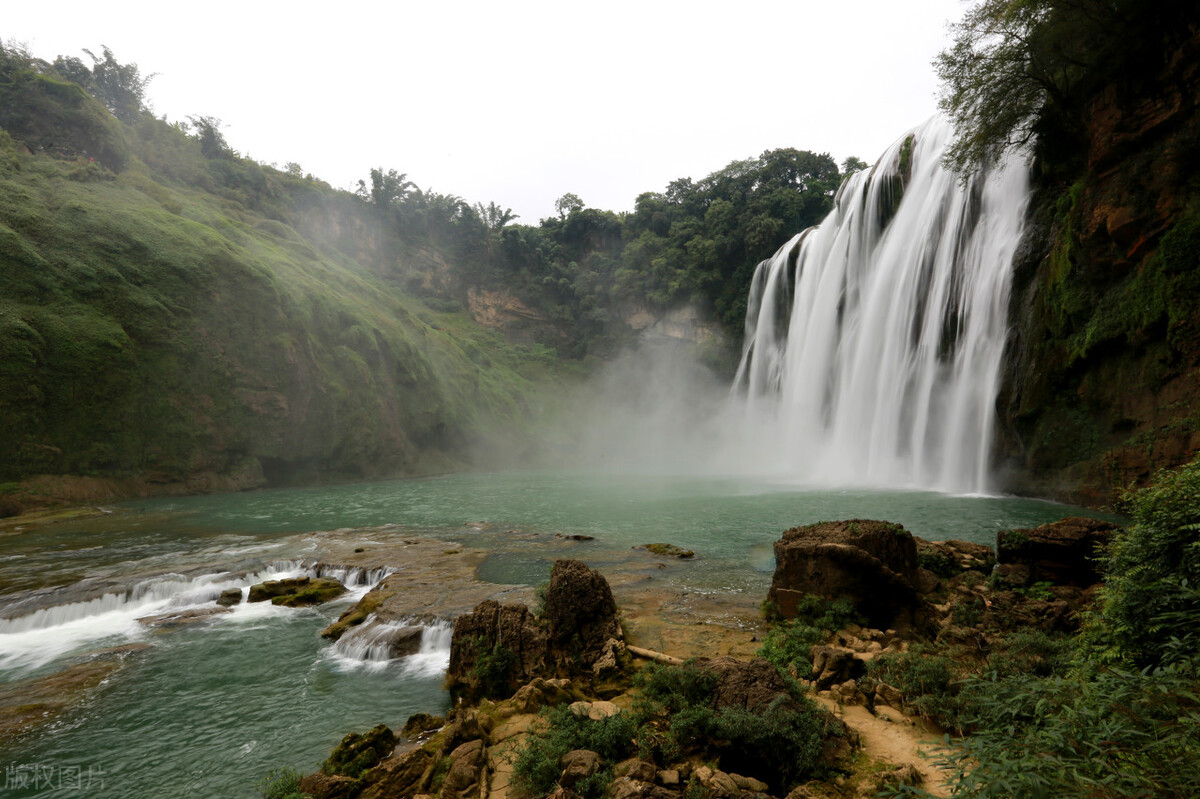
874	340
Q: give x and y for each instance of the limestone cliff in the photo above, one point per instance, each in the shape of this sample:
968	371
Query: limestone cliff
1102	383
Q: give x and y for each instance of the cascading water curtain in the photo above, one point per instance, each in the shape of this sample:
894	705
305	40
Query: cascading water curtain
874	340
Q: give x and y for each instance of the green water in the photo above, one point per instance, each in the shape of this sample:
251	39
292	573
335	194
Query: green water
209	709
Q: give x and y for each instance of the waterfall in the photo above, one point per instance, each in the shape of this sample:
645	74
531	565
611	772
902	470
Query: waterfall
874	340
423	647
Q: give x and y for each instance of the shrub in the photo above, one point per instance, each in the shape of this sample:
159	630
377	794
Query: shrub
1116	734
779	744
1124	721
924	681
280	783
788	644
670	689
1151	570
537	767
491	668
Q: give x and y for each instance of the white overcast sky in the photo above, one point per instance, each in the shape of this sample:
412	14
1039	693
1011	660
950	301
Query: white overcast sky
520	102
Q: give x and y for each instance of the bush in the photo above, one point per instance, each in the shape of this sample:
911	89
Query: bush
280	783
671	689
788	644
1124	721
779	744
1117	734
1151	571
924	681
491	668
537	767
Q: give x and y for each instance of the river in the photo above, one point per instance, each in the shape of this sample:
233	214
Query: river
209	708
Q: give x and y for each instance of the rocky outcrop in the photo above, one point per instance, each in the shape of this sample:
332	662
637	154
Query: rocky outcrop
497	648
1101	386
1063	552
873	564
297	591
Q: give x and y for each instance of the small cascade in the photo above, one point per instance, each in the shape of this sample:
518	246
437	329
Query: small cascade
41	635
351	576
422	648
874	340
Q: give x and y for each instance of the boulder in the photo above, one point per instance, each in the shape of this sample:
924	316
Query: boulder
577	764
948	558
465	777
871	563
420	723
636	769
328	786
667	551
750	684
834	666
358	752
497	648
581	613
401	778
230	597
494	650
297	591
1062	552
540	692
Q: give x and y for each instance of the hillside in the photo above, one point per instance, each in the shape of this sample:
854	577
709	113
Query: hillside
173	313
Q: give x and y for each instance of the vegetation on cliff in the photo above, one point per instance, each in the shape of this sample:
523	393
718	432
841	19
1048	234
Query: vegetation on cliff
1101	387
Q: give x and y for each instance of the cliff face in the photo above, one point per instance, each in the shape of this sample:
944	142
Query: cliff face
1102	383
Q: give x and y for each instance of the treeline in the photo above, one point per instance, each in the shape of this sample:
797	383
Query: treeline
696	242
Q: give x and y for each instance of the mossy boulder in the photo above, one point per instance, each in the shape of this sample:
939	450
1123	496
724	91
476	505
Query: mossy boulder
297	591
667	551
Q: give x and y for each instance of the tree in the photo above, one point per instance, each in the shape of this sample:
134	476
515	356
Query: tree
494	216
387	189
1021	70
120	87
852	165
568	204
212	141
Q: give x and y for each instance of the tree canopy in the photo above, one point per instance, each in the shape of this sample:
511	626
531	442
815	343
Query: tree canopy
1022	70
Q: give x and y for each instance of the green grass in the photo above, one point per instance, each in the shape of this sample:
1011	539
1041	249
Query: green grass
174	317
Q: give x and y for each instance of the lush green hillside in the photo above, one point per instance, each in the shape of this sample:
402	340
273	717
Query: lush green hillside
174	312
161	315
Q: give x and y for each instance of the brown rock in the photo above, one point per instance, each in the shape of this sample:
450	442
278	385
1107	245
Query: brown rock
297	591
636	769
498	648
871	563
749	784
419	723
577	764
834	666
495	649
230	597
466	768
581	612
1059	552
749	684
325	786
402	775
